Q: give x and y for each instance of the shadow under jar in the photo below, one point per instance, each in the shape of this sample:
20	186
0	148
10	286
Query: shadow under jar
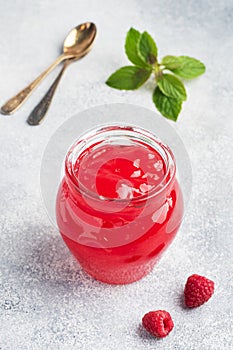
119	205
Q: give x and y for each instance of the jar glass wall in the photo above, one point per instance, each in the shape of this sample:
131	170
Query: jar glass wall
119	204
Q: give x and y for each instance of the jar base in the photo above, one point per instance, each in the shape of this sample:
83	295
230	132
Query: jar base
126	276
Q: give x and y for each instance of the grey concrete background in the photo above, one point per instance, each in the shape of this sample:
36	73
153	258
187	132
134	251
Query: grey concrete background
46	301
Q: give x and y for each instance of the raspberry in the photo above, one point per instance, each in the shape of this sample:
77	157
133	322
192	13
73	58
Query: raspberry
198	290
159	323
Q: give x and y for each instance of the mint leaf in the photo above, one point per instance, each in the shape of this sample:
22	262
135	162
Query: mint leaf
129	78
172	86
147	48
171	62
169	107
131	45
189	67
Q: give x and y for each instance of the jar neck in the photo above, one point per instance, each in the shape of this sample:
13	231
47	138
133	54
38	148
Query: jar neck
122	135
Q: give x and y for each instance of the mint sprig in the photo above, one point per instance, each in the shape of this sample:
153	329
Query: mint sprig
169	92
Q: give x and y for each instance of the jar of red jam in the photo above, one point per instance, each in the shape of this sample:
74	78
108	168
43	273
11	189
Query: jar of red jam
119	205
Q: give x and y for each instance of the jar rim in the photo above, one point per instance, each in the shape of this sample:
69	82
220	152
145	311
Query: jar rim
89	138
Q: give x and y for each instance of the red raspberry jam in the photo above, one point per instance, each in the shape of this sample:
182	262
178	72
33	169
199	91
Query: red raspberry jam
119	204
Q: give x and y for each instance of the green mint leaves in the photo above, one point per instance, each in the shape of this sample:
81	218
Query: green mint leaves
168	106
147	48
171	86
184	66
129	77
169	93
131	49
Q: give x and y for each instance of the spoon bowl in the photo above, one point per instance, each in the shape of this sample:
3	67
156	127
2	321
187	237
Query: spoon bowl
79	40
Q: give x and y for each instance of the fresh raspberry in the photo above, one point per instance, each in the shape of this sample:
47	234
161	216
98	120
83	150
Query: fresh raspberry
159	323
198	290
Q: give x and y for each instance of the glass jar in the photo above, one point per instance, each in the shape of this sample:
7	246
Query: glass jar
119	205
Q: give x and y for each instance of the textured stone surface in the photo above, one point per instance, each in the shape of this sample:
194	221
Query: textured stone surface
46	302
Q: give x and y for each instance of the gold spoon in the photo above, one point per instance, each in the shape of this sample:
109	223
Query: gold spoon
39	112
77	42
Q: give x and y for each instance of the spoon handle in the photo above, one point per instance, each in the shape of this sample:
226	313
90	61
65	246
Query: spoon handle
39	112
15	102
